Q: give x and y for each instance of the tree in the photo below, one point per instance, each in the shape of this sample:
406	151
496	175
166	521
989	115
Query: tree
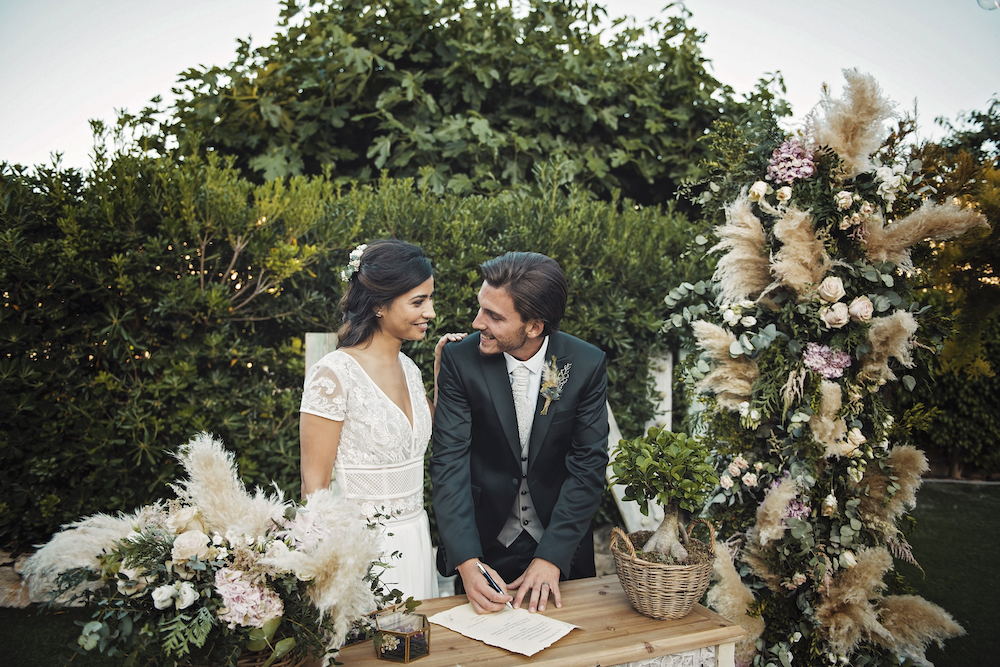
474	90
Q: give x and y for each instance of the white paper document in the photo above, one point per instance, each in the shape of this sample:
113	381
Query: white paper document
514	630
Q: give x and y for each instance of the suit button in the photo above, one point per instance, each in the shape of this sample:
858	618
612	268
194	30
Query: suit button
526	522
524	474
515	482
524	458
524	493
524	508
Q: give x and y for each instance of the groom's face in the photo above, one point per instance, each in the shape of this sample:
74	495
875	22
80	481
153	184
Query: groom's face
501	328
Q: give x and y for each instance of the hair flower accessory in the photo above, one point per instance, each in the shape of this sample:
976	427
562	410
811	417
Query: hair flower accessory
353	262
553	380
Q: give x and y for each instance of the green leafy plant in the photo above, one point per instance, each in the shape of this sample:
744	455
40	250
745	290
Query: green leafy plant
672	469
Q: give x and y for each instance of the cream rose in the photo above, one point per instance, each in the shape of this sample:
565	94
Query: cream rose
835	316
843	200
191	544
757	191
831	289
856	437
848	559
784	193
136	581
741	462
861	309
184	520
750	479
734	470
829	507
726	482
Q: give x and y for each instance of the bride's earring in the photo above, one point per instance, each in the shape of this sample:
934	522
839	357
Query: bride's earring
378	314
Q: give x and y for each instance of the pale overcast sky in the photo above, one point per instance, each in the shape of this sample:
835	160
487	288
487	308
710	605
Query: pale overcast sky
66	61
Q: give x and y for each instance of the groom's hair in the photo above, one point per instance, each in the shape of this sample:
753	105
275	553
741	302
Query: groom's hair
535	284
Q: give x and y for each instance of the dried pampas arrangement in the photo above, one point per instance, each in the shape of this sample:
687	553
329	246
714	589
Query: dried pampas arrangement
929	222
744	271
732	379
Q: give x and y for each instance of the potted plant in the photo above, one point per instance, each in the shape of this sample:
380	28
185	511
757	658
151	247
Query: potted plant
667	574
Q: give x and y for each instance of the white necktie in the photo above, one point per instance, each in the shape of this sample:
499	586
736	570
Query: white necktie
522	404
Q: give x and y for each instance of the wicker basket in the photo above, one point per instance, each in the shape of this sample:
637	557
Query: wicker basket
656	590
258	658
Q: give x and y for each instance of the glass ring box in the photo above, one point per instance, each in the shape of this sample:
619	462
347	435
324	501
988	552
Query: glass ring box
402	636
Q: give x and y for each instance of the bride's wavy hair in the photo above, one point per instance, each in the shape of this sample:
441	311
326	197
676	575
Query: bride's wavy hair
389	268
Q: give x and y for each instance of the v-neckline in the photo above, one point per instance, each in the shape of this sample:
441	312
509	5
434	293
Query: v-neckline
406	381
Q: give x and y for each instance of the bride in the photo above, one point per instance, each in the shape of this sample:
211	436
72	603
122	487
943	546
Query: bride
364	412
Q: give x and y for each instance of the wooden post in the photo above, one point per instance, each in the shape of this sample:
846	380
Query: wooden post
318	345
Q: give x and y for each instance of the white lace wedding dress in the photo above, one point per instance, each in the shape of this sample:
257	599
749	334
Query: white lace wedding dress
380	460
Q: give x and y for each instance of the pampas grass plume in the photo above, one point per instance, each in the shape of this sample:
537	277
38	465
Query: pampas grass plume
78	545
214	487
730	597
888	337
744	271
802	262
930	221
845	609
828	429
771	513
913	623
853	125
732	379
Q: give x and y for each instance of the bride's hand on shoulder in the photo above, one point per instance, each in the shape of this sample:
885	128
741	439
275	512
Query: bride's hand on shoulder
442	341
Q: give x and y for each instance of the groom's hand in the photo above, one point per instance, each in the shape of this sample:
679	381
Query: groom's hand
541	578
483	598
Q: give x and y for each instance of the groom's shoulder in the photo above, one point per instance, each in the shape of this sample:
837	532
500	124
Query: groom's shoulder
578	346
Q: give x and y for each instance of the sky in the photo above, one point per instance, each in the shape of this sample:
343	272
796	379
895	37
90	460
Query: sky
67	61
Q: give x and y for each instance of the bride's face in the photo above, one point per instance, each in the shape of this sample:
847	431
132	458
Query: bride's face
406	317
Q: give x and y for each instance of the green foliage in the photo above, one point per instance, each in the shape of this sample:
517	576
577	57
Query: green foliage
155	299
671	469
479	93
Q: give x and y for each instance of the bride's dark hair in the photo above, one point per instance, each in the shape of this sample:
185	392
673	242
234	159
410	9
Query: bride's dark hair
388	269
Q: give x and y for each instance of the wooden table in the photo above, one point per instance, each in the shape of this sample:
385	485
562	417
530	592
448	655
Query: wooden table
611	632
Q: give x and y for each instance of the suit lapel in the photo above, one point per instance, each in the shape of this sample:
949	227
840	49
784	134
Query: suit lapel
498	384
540	425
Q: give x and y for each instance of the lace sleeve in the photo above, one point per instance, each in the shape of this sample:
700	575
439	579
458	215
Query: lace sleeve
324	394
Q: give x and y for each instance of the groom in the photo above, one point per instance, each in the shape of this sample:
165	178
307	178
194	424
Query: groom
520	440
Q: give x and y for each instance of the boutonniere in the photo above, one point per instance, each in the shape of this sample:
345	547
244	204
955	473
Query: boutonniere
553	380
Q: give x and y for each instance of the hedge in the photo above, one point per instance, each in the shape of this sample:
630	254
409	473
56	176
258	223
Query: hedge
154	298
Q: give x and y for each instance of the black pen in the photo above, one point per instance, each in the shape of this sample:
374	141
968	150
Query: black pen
493	584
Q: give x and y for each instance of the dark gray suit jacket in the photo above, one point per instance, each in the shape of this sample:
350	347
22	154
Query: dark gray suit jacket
475	464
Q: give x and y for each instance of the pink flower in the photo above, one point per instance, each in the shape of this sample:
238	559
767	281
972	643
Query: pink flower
246	604
828	363
790	161
750	479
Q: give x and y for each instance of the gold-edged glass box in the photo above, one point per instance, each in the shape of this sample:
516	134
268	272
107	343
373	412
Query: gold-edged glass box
402	636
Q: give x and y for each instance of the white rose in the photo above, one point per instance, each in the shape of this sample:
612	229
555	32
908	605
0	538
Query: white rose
731	317
191	544
784	193
848	559
835	316
163	596
184	520
734	469
861	309
750	479
846	223
867	209
748	321
831	289
856	474
741	462
186	594
757	191
758	466
726	482
843	199
856	437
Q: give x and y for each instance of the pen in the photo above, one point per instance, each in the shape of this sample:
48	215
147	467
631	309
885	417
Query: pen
493	584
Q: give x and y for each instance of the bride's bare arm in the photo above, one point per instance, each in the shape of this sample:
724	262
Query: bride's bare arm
318	441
